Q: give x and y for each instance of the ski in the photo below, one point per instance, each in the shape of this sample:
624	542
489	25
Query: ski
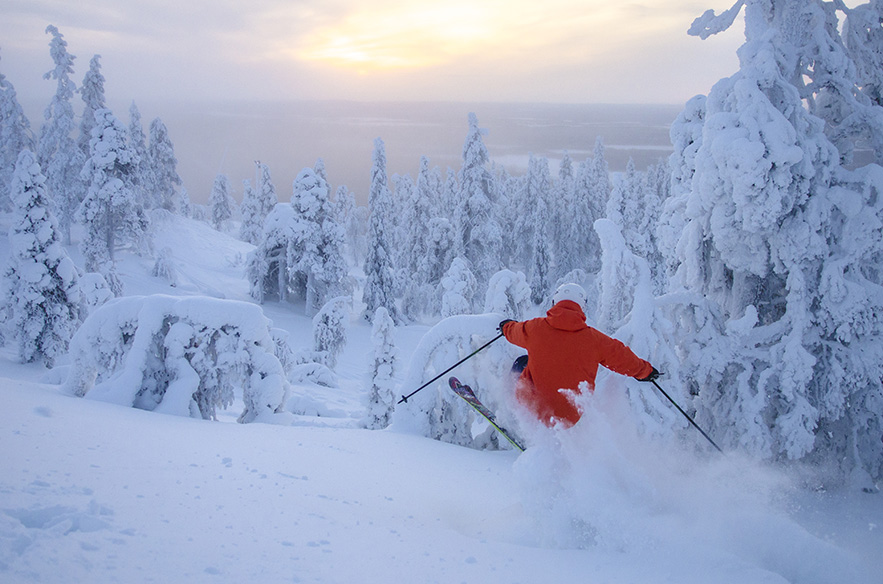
466	393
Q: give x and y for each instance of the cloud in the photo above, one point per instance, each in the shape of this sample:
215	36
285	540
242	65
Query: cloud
386	49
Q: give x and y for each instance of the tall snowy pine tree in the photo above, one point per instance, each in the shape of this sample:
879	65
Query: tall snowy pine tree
42	293
379	267
58	154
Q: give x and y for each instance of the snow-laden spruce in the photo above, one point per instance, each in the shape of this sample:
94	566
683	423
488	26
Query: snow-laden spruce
480	233
15	136
180	356
221	203
384	367
782	242
163	170
256	205
92	94
110	212
143	181
57	151
42	295
379	263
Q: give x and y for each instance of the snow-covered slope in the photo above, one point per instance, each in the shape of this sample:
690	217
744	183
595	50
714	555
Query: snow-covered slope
92	492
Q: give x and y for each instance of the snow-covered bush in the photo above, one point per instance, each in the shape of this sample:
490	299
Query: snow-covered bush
164	267
181	356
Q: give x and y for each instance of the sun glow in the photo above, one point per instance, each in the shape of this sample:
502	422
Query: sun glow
403	37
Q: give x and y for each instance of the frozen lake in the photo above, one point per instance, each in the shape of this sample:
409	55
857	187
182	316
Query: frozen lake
289	136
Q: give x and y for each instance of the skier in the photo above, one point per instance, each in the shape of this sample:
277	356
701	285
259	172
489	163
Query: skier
562	352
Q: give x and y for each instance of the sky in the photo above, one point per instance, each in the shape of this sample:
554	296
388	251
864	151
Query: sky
559	51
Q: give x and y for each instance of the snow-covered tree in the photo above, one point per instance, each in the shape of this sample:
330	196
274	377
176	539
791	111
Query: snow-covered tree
379	266
634	206
221	202
92	94
268	265
163	165
508	294
109	212
265	189
592	191
564	213
329	329
257	204
300	253
458	289
252	224
436	412
15	136
630	310
180	356
316	253
441	246
481	233
538	207
384	365
541	264
185	208
686	137
42	292
347	215
143	181
322	172
57	153
785	243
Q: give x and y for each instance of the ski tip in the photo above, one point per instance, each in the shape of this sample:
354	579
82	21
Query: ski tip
453	382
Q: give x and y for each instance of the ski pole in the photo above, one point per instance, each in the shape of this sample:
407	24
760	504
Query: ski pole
461	361
689	419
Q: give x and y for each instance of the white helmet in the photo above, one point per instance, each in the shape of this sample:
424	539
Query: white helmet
573	292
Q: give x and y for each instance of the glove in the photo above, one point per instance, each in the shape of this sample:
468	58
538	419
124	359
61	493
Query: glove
653	376
500	326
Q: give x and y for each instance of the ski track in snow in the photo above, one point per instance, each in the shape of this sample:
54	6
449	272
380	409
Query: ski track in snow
92	492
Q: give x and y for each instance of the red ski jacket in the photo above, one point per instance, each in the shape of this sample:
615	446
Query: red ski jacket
562	352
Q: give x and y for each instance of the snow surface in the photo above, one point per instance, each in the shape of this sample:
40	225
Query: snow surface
95	492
